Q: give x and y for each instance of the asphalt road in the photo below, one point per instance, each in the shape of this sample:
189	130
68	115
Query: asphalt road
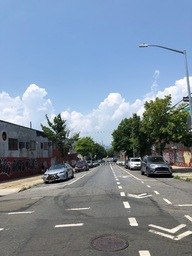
105	211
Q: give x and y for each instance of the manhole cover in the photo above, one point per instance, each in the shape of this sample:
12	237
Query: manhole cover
109	243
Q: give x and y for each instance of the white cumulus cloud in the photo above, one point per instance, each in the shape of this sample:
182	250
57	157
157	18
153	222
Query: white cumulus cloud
99	123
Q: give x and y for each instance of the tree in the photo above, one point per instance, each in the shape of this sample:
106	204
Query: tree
59	134
163	123
99	151
85	146
129	137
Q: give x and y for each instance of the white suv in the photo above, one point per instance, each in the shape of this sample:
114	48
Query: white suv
134	163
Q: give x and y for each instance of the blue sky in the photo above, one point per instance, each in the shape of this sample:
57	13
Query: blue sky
81	58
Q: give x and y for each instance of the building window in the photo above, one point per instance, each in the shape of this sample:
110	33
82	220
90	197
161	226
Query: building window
13	144
32	145
4	136
45	145
21	145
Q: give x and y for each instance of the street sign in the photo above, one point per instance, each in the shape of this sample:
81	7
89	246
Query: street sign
186	99
187	109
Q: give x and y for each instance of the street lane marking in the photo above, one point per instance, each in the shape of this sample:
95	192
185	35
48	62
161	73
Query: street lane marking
167	201
126	205
188	217
181	205
119	187
139	196
148	186
117	179
69	225
122	193
12	213
118	183
78	209
1	229
176	238
144	253
170	230
156	192
133	222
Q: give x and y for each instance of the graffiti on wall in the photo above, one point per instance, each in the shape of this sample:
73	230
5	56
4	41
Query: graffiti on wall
179	157
5	166
17	166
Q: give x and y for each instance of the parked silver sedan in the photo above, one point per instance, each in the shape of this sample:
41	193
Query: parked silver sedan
58	172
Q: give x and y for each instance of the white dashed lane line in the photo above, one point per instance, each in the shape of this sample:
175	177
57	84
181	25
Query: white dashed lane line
132	222
69	225
144	253
122	193
79	209
14	213
1	229
156	192
126	205
167	201
119	187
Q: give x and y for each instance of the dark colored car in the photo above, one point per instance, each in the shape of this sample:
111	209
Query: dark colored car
81	165
154	165
58	172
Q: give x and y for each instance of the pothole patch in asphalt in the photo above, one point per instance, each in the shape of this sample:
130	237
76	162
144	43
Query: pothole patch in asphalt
109	243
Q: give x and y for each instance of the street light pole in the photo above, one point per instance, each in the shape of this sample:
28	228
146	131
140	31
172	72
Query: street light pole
186	70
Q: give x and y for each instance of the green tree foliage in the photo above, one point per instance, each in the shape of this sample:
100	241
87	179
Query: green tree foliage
99	151
59	134
129	137
85	146
163	123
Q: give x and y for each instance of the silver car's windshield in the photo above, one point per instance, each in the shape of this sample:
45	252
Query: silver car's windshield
157	159
57	166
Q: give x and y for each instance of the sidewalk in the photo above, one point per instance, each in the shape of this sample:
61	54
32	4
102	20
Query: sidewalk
17	185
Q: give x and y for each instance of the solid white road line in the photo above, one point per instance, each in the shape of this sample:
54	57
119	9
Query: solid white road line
122	193
133	222
144	253
126	205
167	201
188	217
69	225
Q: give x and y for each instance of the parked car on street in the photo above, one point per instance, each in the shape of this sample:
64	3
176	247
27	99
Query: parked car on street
133	163
81	165
58	172
154	165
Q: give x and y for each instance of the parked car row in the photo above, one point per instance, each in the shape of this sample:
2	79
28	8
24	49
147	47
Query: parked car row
149	165
64	171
